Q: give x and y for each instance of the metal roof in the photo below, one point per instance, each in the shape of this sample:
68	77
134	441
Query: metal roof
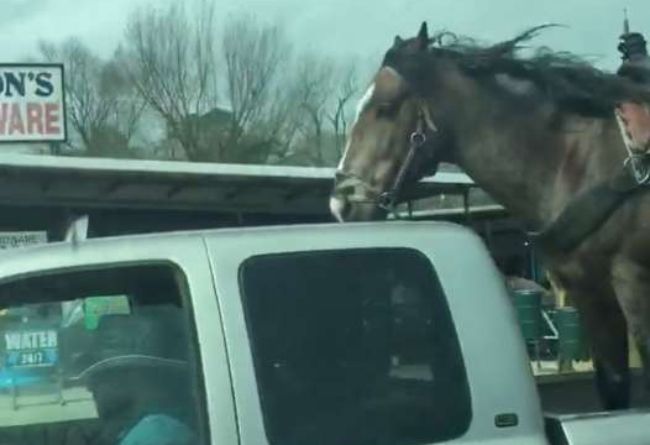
61	181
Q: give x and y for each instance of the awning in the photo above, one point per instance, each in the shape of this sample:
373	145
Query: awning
40	180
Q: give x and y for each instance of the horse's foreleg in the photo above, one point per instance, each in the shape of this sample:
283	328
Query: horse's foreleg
631	281
607	332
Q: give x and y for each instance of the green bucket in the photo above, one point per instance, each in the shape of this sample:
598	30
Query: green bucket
529	312
570	342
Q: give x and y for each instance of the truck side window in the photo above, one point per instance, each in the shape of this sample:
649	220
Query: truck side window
354	346
99	356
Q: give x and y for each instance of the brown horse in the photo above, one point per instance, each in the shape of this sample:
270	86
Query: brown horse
537	133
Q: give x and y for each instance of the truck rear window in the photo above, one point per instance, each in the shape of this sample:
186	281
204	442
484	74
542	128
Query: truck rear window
354	347
97	356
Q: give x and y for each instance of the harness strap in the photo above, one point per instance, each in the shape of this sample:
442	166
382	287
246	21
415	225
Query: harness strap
634	125
587	212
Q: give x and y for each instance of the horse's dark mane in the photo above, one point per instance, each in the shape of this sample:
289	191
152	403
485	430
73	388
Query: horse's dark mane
572	82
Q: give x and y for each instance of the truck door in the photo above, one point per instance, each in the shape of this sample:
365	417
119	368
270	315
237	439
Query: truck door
336	339
98	345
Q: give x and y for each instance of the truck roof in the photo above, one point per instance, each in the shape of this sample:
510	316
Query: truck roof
427	228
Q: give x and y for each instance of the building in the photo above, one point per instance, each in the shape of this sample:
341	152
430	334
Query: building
41	195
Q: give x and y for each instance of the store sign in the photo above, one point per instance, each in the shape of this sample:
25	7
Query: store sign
32	104
12	240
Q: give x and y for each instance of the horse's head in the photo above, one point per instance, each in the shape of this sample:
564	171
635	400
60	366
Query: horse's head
392	141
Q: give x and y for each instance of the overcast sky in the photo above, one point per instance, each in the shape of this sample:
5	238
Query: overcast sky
343	27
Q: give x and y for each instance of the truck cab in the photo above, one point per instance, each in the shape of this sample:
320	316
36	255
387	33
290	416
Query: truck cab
365	334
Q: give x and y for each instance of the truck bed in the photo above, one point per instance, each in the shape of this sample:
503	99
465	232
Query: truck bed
575	393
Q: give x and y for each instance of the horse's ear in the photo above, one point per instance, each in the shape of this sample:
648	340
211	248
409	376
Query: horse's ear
423	36
398	41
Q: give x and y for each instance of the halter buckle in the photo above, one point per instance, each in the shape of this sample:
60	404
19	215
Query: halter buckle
418	138
386	201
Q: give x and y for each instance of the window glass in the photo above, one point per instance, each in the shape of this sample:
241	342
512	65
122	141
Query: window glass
97	357
354	347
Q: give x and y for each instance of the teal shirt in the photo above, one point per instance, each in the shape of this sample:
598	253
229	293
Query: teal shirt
158	429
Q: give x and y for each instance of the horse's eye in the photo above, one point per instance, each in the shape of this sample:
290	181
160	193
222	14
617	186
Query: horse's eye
386	110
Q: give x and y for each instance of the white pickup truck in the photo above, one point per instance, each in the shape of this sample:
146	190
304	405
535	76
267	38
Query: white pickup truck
360	334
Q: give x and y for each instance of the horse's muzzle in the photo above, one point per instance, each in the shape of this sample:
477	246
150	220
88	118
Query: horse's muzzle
353	199
345	210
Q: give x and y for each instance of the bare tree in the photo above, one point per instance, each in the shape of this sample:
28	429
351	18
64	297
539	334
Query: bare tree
253	54
171	60
315	84
101	108
338	116
285	121
128	106
88	106
323	90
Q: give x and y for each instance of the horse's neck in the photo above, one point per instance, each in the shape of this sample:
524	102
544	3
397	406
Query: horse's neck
532	165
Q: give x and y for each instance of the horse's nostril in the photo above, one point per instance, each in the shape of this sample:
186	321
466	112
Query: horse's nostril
338	207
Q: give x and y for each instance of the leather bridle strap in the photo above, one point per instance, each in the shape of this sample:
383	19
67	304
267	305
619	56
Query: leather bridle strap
365	193
389	199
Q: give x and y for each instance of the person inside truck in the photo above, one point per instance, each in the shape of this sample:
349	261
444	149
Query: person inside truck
139	381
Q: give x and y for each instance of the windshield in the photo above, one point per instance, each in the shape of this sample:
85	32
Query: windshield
526	122
238	82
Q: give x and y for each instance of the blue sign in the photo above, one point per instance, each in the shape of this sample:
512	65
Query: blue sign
31	348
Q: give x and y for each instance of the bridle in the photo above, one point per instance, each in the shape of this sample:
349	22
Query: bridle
418	138
389	199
